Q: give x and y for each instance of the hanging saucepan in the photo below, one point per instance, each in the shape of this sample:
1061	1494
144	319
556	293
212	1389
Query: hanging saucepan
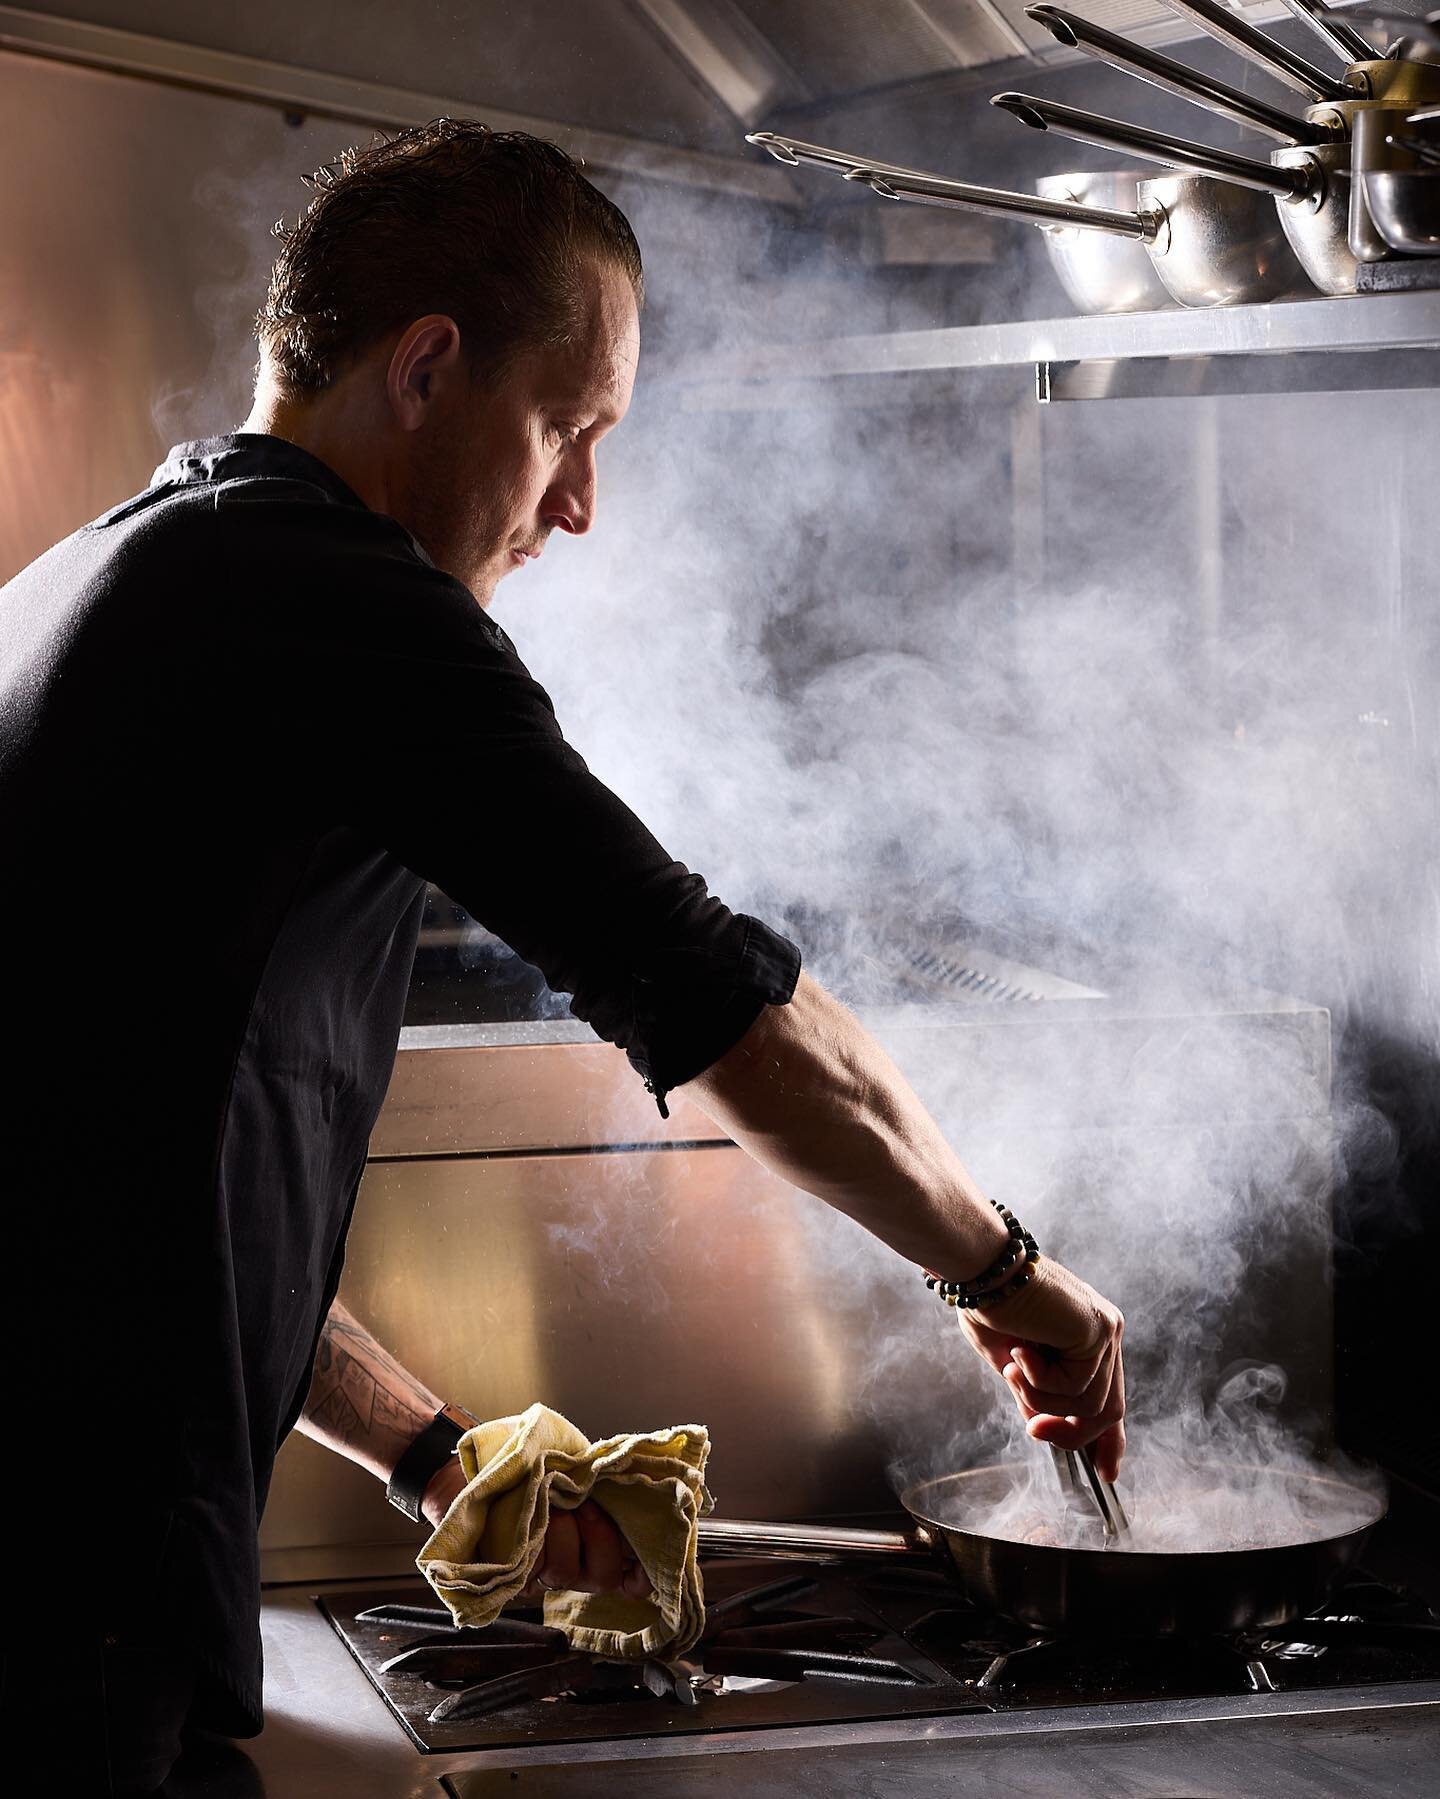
1212	244
1401	174
1102	272
1310	182
1369	81
1409	83
1265	1580
1395	187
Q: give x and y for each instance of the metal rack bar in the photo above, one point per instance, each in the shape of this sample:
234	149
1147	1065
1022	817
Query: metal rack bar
1319	345
1194	377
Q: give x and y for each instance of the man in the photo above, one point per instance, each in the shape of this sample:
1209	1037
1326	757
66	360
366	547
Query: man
247	715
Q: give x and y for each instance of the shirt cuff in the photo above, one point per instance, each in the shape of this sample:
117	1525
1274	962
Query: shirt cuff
710	1021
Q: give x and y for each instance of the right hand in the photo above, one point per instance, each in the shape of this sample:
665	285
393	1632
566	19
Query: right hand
1056	1343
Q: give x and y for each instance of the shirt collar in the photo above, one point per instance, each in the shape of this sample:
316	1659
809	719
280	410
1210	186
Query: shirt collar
249	455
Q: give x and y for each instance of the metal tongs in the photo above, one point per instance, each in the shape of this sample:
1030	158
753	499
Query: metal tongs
1075	1470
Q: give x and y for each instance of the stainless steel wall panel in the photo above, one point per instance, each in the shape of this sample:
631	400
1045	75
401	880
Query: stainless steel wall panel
546	1095
667	1285
629	1292
1081	1064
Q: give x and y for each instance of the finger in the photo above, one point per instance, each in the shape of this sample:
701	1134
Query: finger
1109	1451
602	1551
1093	1402
636	1582
1110	1445
1059	1374
560	1558
1064	1433
1069	1432
1015	1381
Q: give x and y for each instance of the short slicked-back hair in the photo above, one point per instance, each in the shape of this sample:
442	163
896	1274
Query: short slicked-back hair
489	227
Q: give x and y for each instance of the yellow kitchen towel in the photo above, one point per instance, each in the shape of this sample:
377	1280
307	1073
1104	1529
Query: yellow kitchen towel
652	1485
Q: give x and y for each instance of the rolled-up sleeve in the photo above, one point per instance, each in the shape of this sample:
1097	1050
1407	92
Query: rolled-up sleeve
700	1000
420	725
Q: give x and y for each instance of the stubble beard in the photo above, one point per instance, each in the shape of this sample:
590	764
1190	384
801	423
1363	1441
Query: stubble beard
441	515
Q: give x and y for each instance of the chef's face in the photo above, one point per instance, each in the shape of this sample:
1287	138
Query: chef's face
510	462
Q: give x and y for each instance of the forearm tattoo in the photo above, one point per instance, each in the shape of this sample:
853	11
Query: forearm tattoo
361	1401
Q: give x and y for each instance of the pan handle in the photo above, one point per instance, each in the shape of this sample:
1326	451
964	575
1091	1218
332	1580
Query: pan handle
1285	65
811	1542
1034	209
1075	33
794	150
1159	146
1331	28
895	182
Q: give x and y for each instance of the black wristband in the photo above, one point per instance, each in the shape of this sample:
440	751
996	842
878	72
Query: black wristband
425	1457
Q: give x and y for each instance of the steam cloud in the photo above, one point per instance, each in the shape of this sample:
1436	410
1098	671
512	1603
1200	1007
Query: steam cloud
799	645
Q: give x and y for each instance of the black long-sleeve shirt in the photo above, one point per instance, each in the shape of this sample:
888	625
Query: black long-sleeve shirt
243	719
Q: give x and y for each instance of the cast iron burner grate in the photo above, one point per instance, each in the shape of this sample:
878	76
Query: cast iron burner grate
743	1640
775	1651
787	1645
1368	1633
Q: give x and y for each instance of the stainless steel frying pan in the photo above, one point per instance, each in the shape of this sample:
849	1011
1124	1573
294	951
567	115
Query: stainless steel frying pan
1091	1591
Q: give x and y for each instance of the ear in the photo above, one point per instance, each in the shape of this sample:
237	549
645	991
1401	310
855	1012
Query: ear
427	355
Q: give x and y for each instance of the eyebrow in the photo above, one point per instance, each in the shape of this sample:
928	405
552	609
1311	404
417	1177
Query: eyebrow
573	411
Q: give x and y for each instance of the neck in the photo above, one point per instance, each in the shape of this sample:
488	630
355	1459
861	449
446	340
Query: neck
335	426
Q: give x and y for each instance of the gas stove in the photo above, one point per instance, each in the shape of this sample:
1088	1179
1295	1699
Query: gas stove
811	1681
791	1645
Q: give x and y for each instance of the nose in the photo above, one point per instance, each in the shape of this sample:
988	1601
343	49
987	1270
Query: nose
569	502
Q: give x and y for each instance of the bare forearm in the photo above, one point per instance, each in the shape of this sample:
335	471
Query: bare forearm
818	1102
362	1403
811	1095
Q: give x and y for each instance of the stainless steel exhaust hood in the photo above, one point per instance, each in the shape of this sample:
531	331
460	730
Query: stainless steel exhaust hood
641	82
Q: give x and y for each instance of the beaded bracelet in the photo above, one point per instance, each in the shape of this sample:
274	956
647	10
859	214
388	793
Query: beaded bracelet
983	1291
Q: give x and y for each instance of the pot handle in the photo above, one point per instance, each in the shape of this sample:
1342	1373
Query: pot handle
793	151
1157	146
810	1542
895	182
1033	209
1333	29
1284	64
1075	33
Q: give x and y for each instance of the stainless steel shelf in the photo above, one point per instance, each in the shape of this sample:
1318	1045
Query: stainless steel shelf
1373	341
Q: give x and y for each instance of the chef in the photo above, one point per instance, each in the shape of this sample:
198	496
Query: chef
247	715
